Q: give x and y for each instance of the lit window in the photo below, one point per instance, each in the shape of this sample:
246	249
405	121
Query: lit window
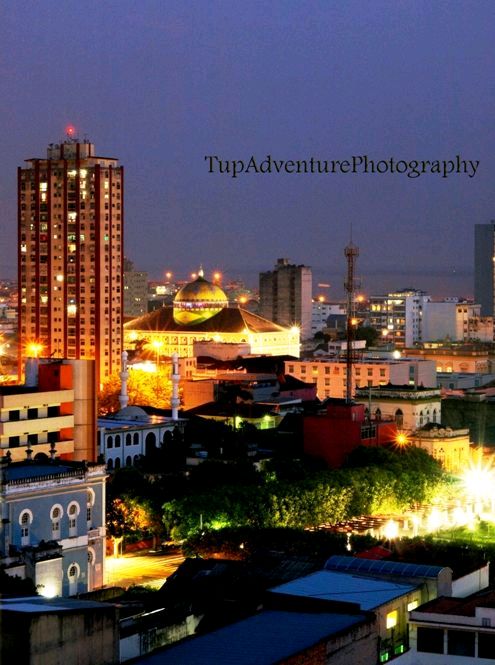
412	606
392	619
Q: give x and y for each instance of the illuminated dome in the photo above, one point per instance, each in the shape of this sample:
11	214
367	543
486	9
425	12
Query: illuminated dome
198	301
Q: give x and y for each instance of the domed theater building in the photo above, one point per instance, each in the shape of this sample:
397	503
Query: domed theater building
201	313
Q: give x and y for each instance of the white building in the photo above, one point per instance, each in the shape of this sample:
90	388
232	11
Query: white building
411	408
399	316
453	631
321	311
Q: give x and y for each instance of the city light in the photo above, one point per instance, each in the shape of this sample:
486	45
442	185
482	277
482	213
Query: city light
391	530
33	349
401	440
478	481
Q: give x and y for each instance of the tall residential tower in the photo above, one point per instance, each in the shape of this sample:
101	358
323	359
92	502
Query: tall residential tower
286	296
71	215
484	267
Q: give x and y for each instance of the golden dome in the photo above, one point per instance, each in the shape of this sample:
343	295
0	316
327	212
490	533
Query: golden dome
198	301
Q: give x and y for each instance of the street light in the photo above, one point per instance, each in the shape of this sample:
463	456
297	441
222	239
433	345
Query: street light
34	349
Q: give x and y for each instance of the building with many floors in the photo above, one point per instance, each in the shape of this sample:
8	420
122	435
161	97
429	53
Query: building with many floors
71	216
329	374
286	296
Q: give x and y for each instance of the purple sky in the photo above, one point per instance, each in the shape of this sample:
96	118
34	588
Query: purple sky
161	84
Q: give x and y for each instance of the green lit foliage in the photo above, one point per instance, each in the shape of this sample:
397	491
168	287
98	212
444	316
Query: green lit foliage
309	499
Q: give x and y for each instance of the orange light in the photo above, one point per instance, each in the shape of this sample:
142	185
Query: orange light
217	276
194	275
354	322
70	130
321	298
168	275
34	349
360	298
401	439
242	299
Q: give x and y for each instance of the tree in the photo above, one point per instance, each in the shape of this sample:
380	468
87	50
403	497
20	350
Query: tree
144	388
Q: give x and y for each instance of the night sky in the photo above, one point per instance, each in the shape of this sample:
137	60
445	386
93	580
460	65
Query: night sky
162	84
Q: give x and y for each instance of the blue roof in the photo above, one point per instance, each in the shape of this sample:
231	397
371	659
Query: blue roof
367	592
263	639
371	566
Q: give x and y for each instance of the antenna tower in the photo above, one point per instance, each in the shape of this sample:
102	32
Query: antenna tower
351	253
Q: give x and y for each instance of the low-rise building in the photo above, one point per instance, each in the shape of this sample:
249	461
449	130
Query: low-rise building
53	524
452	448
410	407
330	374
457	631
39	631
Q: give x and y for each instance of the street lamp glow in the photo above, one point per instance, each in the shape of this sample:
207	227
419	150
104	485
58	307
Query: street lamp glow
401	440
391	530
478	481
34	349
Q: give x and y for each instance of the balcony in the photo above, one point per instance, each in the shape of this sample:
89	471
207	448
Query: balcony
20	427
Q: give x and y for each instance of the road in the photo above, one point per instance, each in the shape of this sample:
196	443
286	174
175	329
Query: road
150	569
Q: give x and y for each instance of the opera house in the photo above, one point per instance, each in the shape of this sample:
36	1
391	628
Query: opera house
201	313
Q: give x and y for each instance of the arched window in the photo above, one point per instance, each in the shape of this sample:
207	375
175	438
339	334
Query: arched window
378	414
434	415
399	418
25	521
117	463
117	440
110	464
150	443
73	512
136	439
128	440
73	575
109	441
56	515
89	506
420	418
128	460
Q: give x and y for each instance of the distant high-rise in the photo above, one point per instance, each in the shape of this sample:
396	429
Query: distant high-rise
286	296
135	291
71	215
484	262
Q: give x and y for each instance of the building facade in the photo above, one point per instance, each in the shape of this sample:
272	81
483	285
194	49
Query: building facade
399	316
70	225
484	253
286	296
135	291
330	376
53	524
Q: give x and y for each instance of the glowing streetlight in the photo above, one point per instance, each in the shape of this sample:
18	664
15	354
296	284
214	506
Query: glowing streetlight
391	530
401	440
34	349
217	276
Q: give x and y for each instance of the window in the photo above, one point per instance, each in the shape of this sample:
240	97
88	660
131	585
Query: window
110	442
117	441
392	618
136	439
73	512
430	640
25	520
128	439
55	515
412	605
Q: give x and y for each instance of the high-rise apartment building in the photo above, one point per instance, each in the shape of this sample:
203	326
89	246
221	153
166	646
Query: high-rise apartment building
399	316
286	296
71	215
135	291
484	267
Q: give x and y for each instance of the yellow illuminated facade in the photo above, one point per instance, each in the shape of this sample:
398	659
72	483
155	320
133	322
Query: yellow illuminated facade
201	314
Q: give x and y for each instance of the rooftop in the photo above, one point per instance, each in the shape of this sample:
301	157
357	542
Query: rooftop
41	605
460	606
367	592
266	638
228	320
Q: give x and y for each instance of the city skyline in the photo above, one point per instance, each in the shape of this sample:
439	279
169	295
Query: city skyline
167	85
